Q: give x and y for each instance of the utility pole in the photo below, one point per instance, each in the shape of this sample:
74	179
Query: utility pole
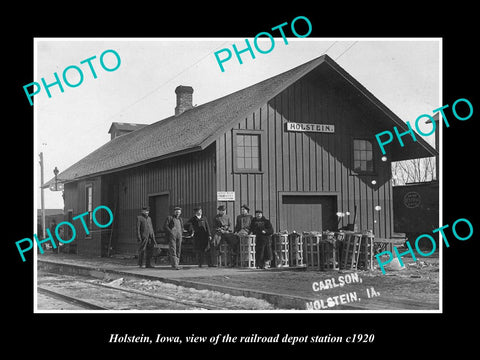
41	195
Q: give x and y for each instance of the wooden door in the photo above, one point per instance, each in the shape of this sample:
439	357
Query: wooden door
308	213
159	210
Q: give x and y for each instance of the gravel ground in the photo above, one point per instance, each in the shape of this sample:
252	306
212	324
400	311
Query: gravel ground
226	301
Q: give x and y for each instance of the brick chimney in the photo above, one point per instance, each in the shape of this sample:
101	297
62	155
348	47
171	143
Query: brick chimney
184	99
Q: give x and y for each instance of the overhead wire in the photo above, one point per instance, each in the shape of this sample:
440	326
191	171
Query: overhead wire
166	82
346	50
195	63
192	65
330	47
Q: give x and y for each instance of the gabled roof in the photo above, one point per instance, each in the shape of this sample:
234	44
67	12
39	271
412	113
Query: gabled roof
198	127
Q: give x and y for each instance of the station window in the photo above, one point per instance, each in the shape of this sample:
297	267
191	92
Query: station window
247	151
362	156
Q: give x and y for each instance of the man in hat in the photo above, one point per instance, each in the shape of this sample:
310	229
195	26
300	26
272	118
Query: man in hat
242	229
242	225
262	229
173	228
222	226
201	236
145	238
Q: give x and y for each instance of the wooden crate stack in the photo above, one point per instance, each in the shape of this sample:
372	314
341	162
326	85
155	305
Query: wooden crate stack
247	251
280	249
295	252
358	251
351	250
224	257
311	249
367	249
329	252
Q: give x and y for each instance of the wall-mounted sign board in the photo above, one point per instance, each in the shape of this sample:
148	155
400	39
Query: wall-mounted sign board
323	128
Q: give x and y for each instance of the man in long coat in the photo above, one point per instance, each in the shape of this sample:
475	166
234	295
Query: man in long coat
201	236
262	229
145	238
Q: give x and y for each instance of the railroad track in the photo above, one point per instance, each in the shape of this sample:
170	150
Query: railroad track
110	290
69	299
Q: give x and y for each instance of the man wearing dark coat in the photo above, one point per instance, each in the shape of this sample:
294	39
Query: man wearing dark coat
173	228
198	224
262	229
145	238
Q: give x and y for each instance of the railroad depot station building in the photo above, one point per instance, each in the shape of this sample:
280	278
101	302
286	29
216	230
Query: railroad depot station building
300	146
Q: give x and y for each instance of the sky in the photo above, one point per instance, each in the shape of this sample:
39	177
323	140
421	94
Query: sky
402	73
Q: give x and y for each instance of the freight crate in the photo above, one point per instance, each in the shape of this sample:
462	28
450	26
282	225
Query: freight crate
311	250
224	257
367	250
295	244
351	250
228	252
280	246
329	252
247	251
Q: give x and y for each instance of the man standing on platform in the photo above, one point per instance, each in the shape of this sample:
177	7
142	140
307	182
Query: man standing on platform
145	238
201	236
174	229
262	229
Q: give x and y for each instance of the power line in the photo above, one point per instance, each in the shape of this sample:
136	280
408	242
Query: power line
346	50
330	47
195	63
166	82
184	70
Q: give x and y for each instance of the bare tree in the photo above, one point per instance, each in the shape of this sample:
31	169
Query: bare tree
413	171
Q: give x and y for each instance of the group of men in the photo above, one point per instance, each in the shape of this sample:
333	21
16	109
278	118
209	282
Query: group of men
206	243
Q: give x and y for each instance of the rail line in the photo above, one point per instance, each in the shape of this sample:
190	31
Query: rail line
165	298
71	299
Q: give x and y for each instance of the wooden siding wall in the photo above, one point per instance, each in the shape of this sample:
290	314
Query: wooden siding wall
189	180
310	162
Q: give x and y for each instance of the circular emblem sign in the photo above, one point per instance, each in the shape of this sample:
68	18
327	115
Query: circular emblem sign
412	199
